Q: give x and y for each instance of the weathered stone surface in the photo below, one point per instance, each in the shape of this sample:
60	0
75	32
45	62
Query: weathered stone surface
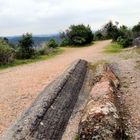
48	116
136	42
101	120
71	130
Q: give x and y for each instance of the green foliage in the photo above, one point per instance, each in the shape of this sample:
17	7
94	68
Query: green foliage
113	48
25	49
112	31
125	42
121	35
79	40
125	38
64	42
32	60
77	35
45	50
136	30
42	51
52	44
99	35
7	54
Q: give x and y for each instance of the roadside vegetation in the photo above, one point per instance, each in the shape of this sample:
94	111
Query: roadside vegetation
76	35
113	48
24	52
38	58
121	35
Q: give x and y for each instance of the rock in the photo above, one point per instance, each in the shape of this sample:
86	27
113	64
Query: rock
132	82
101	120
136	42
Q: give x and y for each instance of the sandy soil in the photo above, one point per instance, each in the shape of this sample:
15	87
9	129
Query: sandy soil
19	86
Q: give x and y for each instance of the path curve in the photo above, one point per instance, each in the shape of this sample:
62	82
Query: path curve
20	85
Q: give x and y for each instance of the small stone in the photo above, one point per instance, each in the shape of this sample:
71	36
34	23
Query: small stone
41	123
132	82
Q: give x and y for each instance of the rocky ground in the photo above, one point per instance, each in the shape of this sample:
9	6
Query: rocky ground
19	86
129	74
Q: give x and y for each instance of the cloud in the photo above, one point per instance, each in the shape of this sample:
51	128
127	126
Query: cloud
52	16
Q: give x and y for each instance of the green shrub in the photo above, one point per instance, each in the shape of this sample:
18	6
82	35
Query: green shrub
98	36
7	54
44	50
52	44
125	42
25	50
78	35
64	42
79	40
136	30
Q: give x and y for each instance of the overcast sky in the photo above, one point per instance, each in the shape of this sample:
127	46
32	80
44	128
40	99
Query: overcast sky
53	16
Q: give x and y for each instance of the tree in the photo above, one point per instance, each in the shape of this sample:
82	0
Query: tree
77	35
52	44
112	31
136	30
7	53
6	39
26	50
98	35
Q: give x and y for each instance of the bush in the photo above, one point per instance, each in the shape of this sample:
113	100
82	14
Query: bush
136	30
25	49
125	42
44	50
7	54
64	42
98	36
52	44
77	35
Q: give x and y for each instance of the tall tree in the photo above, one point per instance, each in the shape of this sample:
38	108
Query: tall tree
111	31
26	46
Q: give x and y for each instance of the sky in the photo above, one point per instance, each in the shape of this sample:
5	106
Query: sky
42	17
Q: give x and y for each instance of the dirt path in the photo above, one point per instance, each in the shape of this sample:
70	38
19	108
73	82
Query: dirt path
20	85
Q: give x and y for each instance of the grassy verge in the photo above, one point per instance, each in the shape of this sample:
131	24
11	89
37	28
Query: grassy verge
32	60
113	48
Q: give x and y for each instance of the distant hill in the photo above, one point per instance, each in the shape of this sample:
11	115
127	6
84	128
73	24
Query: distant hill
38	40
